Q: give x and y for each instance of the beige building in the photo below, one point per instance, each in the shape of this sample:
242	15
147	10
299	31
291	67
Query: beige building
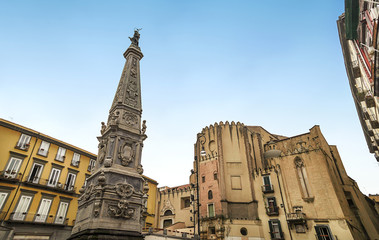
175	208
258	185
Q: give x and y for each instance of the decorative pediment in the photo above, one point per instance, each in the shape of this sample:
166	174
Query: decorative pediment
167	206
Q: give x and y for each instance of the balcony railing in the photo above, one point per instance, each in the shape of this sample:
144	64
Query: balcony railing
10	175
268	188
295	217
37	218
52	184
272	210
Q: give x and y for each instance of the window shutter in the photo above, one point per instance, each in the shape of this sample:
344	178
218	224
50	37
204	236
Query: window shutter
351	18
280	229
271	229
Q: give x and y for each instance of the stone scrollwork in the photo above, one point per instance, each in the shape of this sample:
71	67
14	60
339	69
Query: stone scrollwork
130	119
121	210
126	153
124	190
139	169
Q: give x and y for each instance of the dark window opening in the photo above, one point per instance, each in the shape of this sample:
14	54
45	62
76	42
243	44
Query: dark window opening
323	232
210	194
243	231
168	213
212	230
167	223
203	178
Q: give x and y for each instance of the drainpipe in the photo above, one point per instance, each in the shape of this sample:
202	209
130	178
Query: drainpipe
19	182
281	195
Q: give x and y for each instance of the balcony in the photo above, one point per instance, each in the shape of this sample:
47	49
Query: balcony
296	217
57	186
268	188
356	69
374	121
272	210
370	101
298	221
12	176
37	218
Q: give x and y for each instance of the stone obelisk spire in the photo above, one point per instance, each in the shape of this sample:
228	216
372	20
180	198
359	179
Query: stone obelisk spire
112	203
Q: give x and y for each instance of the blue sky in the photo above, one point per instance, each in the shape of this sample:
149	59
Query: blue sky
277	64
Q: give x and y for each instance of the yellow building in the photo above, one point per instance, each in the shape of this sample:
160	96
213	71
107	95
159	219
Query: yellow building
40	179
150	220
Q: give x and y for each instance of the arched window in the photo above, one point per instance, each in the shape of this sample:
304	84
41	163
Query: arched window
302	176
168	213
210	194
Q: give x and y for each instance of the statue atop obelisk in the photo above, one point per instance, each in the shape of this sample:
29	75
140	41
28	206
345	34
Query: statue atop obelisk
112	203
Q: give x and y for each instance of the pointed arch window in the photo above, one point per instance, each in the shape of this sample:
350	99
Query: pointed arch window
303	179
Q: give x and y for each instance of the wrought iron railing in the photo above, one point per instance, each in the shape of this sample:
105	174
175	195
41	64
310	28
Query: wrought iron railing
51	184
272	210
10	175
268	188
37	218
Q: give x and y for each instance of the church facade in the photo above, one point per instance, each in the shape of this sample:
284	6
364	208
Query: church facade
258	185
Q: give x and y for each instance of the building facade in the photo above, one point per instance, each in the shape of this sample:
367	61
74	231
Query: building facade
40	179
151	205
358	33
175	210
258	185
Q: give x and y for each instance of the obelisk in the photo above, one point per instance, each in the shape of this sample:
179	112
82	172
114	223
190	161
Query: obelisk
111	205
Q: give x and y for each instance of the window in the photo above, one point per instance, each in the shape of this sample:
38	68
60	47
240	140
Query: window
275	229
267	186
43	210
91	165
75	160
61	154
23	142
215	176
13	167
44	148
35	173
272	209
61	213
54	177
210	194
202	178
303	179
212	230
70	182
3	197
186	202
167	223
22	208
168	213
243	231
211	210
323	232
86	180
